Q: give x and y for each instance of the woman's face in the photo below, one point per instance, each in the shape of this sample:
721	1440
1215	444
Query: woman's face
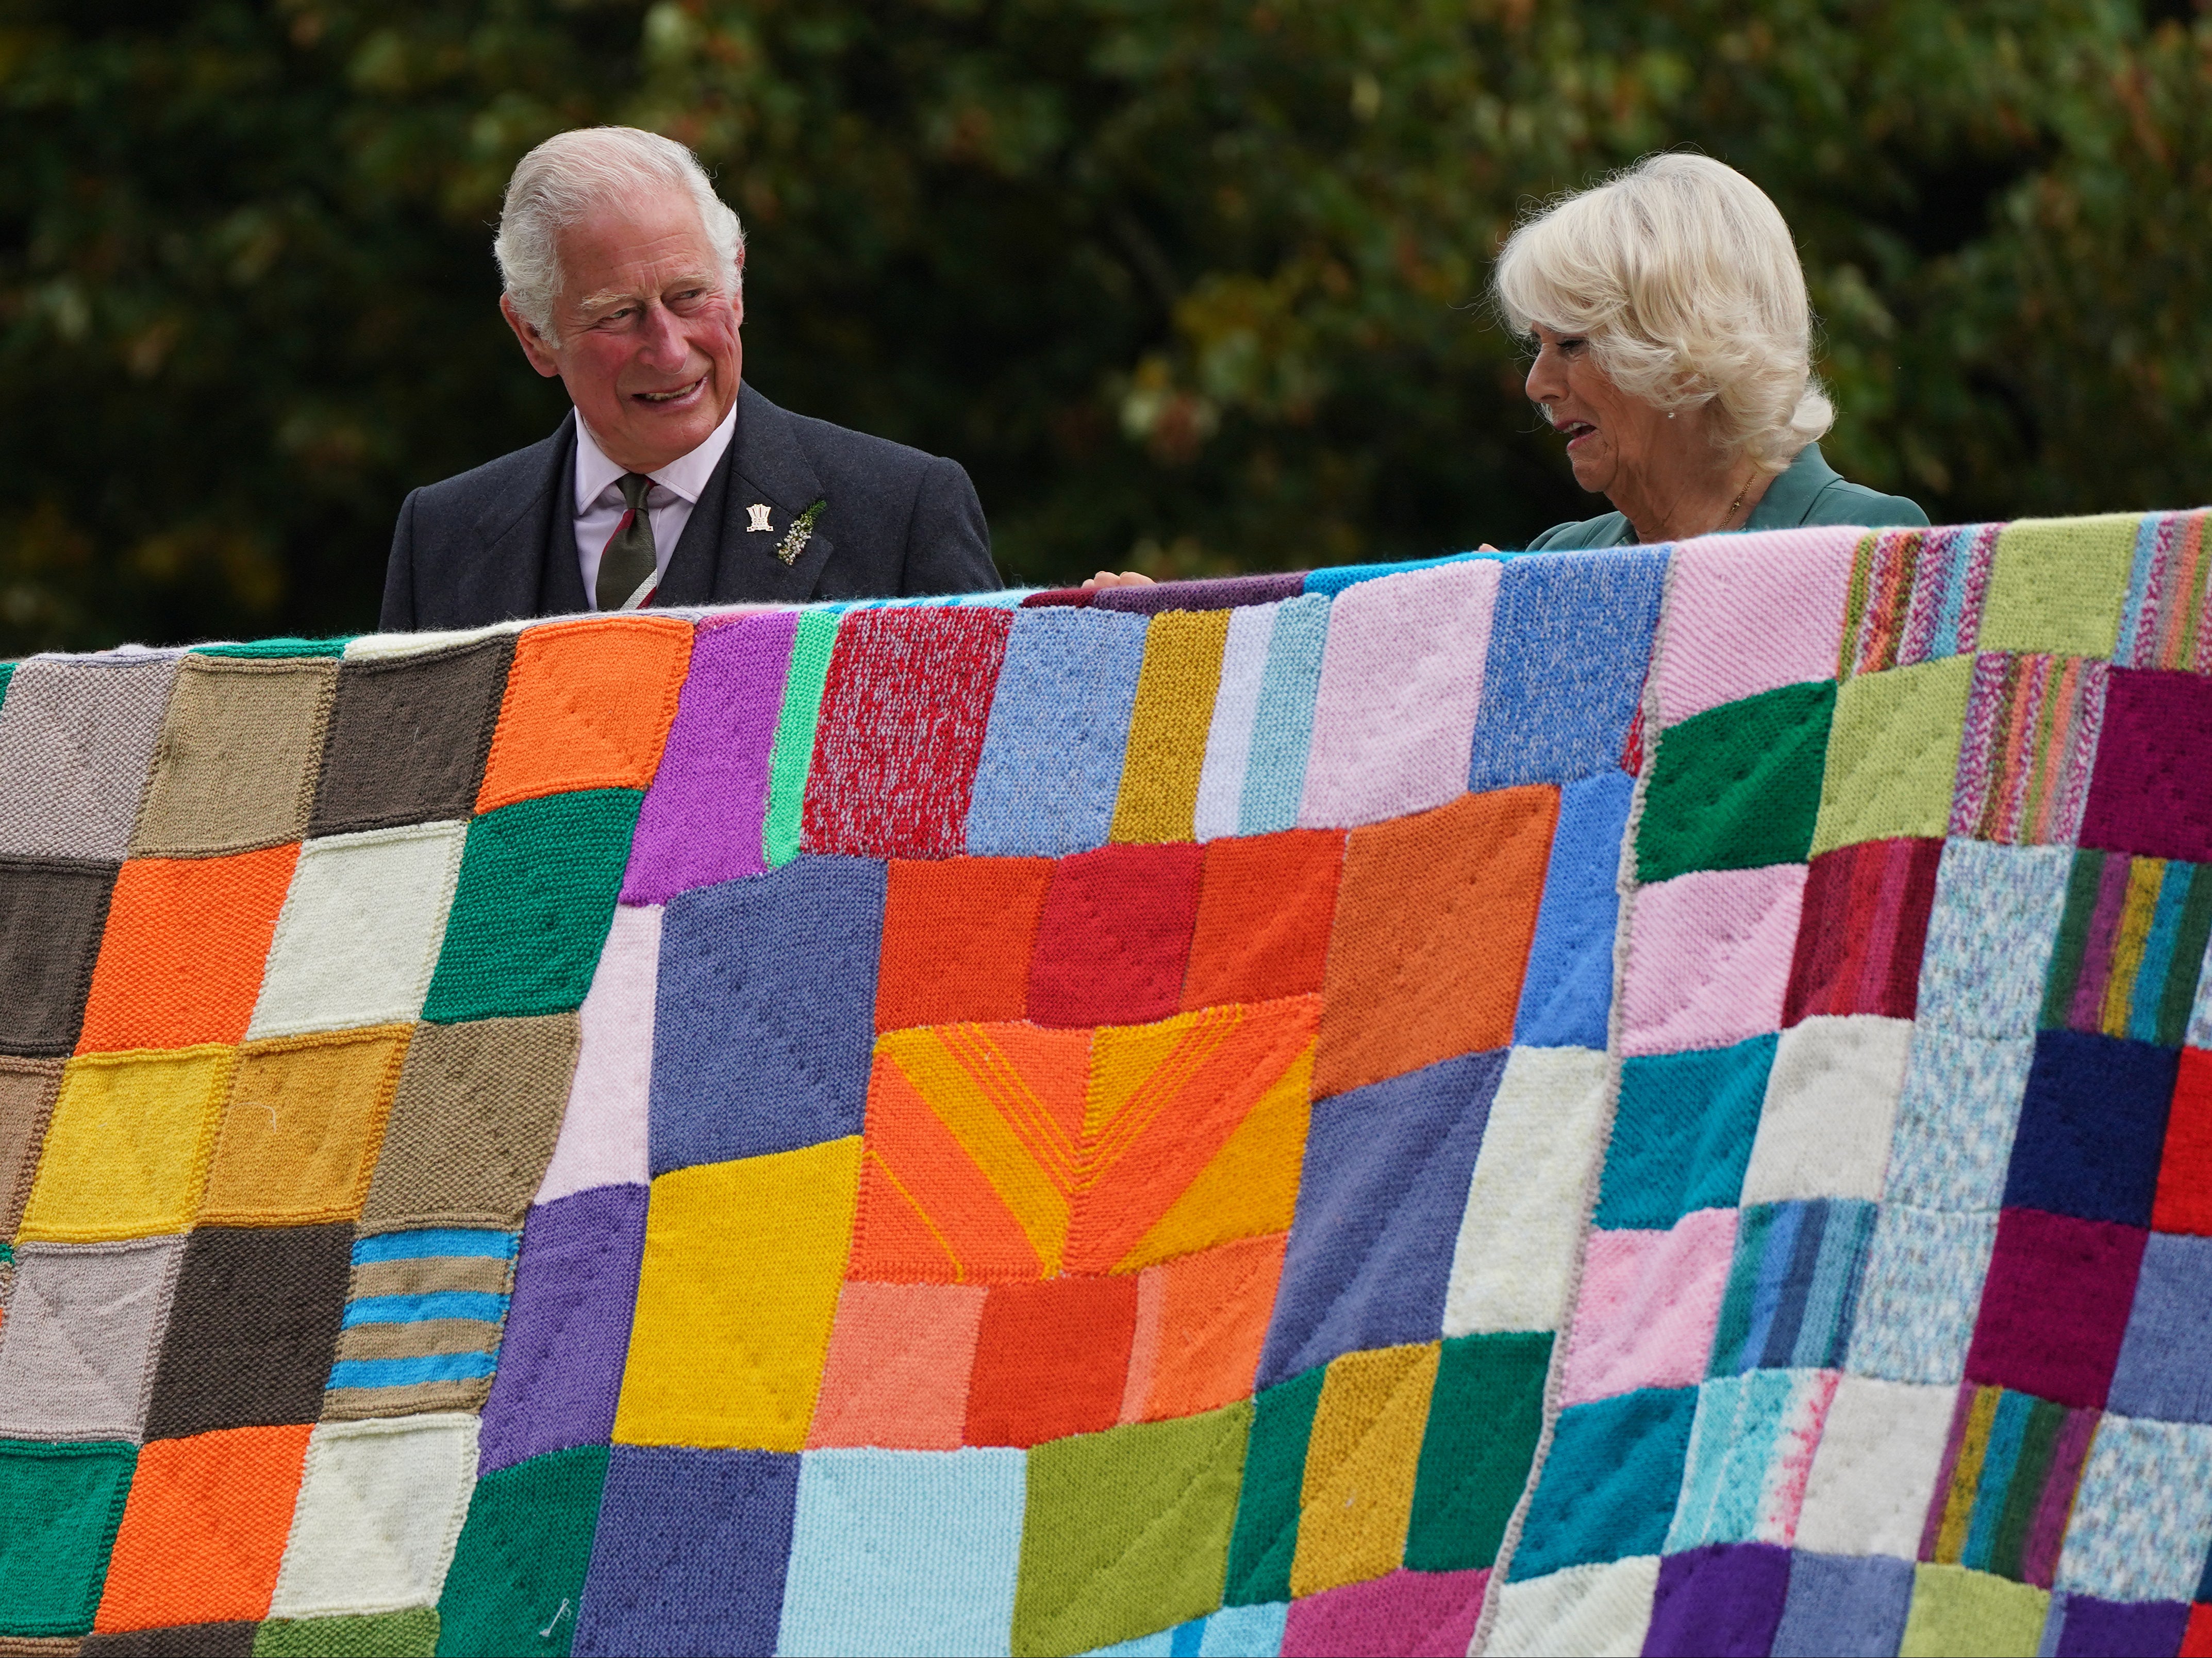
1610	435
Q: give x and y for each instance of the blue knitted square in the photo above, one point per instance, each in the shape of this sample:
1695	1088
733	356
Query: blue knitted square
2091	1127
899	1551
1384	1185
1683	1133
690	1552
764	1025
1569	644
1566	997
1842	1604
2165	1360
1609	1485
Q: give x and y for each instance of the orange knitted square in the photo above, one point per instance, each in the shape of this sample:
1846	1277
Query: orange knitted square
186	941
896	1375
588	706
1201	1319
1264	908
204	1529
1434	916
957	939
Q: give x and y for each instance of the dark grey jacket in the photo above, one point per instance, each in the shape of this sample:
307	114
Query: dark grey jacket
500	542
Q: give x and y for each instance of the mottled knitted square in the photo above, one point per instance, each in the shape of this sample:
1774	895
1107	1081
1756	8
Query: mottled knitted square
408	736
473	1123
235	766
903	717
252	1330
77	739
51	915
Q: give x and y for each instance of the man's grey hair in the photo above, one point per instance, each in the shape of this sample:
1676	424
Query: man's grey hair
572	173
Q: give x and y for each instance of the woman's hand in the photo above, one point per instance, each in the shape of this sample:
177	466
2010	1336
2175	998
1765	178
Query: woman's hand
1108	579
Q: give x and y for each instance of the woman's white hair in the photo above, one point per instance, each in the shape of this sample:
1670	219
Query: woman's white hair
1682	277
572	173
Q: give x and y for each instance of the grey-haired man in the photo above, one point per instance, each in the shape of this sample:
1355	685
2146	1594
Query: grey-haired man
672	481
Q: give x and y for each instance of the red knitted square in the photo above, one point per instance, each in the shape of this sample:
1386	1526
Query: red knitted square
1864	924
957	938
1052	1359
904	710
1114	938
2184	1203
2147	795
204	1528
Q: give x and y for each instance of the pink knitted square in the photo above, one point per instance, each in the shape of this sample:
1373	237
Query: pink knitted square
1401	678
1792	581
1709	957
1649	1303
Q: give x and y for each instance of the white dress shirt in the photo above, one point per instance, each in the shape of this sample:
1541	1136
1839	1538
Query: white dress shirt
676	491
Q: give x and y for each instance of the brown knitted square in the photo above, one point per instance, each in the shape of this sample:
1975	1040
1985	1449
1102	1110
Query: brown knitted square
235	767
252	1330
51	912
473	1123
409	736
28	1088
178	1641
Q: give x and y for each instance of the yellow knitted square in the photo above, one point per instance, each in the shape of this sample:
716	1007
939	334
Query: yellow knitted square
128	1146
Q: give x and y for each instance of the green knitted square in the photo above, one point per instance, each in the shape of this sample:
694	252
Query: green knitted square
409	1634
1893	755
269	648
792	755
1485	1416
536	893
59	1507
2059	584
1737	786
1267	1534
1127	1530
518	1575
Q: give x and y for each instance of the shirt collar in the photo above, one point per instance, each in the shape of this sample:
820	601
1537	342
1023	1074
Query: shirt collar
685	476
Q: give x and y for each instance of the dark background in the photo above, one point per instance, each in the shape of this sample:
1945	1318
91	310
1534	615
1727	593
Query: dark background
1191	286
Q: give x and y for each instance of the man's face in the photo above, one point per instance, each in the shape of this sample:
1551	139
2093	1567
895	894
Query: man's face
648	343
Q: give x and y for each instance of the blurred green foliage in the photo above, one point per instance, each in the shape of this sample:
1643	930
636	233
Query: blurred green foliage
1191	284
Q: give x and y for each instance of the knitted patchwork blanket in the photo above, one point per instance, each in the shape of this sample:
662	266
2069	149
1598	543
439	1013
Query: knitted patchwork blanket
1653	1100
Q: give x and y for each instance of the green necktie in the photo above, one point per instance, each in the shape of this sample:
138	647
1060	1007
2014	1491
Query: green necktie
628	562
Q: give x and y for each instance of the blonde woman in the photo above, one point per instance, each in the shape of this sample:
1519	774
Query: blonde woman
1672	341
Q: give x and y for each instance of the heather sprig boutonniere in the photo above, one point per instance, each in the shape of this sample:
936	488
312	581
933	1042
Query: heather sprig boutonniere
800	532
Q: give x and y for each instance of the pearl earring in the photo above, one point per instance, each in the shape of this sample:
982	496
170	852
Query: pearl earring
1670	414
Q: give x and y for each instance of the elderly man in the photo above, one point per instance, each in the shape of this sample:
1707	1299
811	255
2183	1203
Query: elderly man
672	481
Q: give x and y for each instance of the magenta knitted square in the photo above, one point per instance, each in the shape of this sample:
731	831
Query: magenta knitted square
903	715
2055	1306
2147	794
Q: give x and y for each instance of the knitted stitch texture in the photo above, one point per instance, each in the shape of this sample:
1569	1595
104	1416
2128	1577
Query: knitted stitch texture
1651	1100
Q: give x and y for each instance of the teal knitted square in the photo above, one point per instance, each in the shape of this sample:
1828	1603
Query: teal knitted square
1683	1133
536	893
59	1507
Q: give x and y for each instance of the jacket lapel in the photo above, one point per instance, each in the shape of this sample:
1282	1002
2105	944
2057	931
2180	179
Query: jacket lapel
764	464
511	579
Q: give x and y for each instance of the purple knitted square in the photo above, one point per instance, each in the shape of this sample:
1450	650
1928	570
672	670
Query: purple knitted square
1725	1601
568	1326
701	819
2147	795
2094	1628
